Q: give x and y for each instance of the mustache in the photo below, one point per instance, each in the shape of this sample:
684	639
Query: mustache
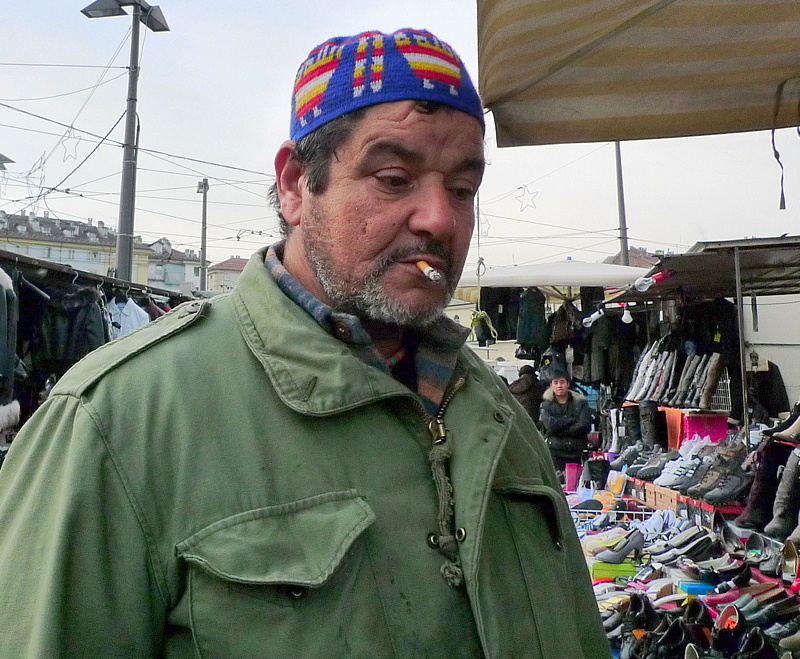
404	253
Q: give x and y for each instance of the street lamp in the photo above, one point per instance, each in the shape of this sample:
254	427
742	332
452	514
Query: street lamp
202	188
153	19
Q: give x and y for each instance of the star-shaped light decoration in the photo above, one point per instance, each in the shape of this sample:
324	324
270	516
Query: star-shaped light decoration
70	143
525	197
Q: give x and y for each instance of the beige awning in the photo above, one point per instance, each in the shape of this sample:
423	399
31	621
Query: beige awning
555	71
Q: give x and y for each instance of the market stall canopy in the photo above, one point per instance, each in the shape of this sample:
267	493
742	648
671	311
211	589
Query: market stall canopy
594	70
769	266
561	273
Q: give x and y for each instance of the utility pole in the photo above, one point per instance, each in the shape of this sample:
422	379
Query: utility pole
202	187
623	225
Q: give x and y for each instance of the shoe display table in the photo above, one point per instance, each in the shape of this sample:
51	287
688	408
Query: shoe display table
658	497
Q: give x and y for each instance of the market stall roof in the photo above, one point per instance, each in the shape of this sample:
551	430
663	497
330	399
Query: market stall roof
560	273
769	266
593	70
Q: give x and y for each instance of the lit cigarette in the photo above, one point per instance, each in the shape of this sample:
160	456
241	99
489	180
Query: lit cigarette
429	271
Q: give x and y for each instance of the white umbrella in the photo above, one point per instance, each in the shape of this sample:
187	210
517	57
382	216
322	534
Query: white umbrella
561	273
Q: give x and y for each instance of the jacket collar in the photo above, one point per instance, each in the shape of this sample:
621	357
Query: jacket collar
312	371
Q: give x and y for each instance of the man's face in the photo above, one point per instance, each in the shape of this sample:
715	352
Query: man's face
560	386
401	190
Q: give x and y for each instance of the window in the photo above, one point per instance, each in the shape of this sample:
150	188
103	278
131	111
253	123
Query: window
197	271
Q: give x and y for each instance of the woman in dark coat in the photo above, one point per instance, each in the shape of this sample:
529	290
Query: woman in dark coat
566	420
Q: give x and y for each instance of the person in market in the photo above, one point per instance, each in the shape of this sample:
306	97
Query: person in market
325	469
528	390
566	420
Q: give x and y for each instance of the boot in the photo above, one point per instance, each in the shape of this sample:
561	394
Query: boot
787	499
783	425
630	420
788	432
715	367
694	383
769	457
648	411
699	383
689	367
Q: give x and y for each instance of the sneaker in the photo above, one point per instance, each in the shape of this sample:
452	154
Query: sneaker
643	460
676	470
656	466
733	485
627	457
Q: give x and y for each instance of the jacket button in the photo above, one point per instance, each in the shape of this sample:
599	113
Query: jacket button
461	534
498	416
342	330
433	541
296	592
559	543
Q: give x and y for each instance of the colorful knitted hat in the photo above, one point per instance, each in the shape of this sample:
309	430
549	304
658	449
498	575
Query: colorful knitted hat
347	73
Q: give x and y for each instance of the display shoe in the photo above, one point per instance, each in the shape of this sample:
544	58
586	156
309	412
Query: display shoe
731	487
627	457
768	461
693	478
698	547
770	565
715	366
633	542
671	643
644	459
717	600
755	646
630	421
721	466
786	423
784	609
731	542
786	504
698	622
781	630
693	651
787	570
651	471
791	642
678	540
787	433
755	549
727	632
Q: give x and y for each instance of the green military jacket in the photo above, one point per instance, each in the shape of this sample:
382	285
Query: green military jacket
231	481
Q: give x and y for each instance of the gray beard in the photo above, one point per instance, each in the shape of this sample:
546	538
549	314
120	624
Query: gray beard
369	301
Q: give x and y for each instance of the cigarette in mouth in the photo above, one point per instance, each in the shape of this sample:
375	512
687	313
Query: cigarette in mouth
429	271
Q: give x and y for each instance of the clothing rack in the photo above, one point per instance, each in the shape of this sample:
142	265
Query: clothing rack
49	273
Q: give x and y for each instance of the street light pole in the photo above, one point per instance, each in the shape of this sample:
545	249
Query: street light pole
623	224
203	187
127	193
152	17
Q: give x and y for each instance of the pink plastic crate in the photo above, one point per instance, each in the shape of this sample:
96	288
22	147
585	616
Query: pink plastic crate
714	426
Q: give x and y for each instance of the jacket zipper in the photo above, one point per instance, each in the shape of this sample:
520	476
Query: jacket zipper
435	424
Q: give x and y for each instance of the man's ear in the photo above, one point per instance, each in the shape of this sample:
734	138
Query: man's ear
289	178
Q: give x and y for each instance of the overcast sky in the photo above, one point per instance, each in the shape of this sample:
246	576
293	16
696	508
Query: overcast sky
214	101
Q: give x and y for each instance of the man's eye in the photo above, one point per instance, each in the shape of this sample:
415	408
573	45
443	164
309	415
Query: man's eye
463	193
394	183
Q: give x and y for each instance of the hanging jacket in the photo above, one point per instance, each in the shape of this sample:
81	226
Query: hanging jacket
269	494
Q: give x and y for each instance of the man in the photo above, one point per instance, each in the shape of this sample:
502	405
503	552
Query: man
566	420
323	469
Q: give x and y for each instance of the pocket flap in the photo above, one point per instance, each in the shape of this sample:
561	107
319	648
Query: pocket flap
301	542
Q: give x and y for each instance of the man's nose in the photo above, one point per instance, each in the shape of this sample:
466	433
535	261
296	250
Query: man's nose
433	214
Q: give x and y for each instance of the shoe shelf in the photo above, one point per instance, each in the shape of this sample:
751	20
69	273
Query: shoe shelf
658	497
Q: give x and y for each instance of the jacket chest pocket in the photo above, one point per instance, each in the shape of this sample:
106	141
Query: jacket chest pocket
537	521
288	579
